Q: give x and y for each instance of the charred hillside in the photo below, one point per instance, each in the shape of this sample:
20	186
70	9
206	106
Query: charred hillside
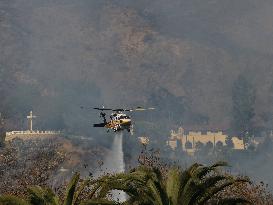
183	57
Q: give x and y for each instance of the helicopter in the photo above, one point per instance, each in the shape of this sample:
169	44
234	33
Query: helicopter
118	121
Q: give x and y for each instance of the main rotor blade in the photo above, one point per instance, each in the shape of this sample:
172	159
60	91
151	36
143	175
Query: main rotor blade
123	110
97	108
82	107
129	110
120	110
143	109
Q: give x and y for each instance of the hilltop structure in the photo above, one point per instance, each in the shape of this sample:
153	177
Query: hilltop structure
30	133
190	141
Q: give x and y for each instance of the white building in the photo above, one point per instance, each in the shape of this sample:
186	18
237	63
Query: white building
193	138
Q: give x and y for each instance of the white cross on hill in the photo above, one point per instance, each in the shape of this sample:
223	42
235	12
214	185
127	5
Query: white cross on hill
30	120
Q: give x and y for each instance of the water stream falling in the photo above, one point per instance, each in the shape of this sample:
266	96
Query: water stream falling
114	163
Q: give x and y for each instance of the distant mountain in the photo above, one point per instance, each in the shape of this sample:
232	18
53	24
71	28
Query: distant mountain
183	56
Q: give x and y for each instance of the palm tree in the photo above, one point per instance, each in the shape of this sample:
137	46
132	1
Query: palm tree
194	186
45	196
144	185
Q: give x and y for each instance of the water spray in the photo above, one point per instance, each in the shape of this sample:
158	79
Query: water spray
114	163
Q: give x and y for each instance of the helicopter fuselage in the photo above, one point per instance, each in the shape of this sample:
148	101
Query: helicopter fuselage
119	121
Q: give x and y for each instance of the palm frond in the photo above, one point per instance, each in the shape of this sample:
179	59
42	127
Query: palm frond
203	186
193	167
202	170
157	199
70	191
173	184
220	164
147	186
12	200
216	189
40	196
81	187
98	202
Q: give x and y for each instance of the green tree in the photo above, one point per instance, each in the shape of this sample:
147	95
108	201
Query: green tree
243	101
188	145
209	145
45	196
219	145
150	186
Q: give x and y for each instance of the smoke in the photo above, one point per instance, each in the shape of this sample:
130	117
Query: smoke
119	53
184	56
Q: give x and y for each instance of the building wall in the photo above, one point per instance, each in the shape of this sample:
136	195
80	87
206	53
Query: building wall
194	137
26	135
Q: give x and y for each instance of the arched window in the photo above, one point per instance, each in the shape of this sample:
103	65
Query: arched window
188	145
209	145
219	145
199	145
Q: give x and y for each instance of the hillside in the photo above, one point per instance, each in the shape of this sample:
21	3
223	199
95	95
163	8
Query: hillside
45	162
183	57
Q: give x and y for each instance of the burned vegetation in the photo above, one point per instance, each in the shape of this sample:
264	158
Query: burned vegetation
26	163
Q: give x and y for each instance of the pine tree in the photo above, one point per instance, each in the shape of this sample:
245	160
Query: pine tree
243	99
